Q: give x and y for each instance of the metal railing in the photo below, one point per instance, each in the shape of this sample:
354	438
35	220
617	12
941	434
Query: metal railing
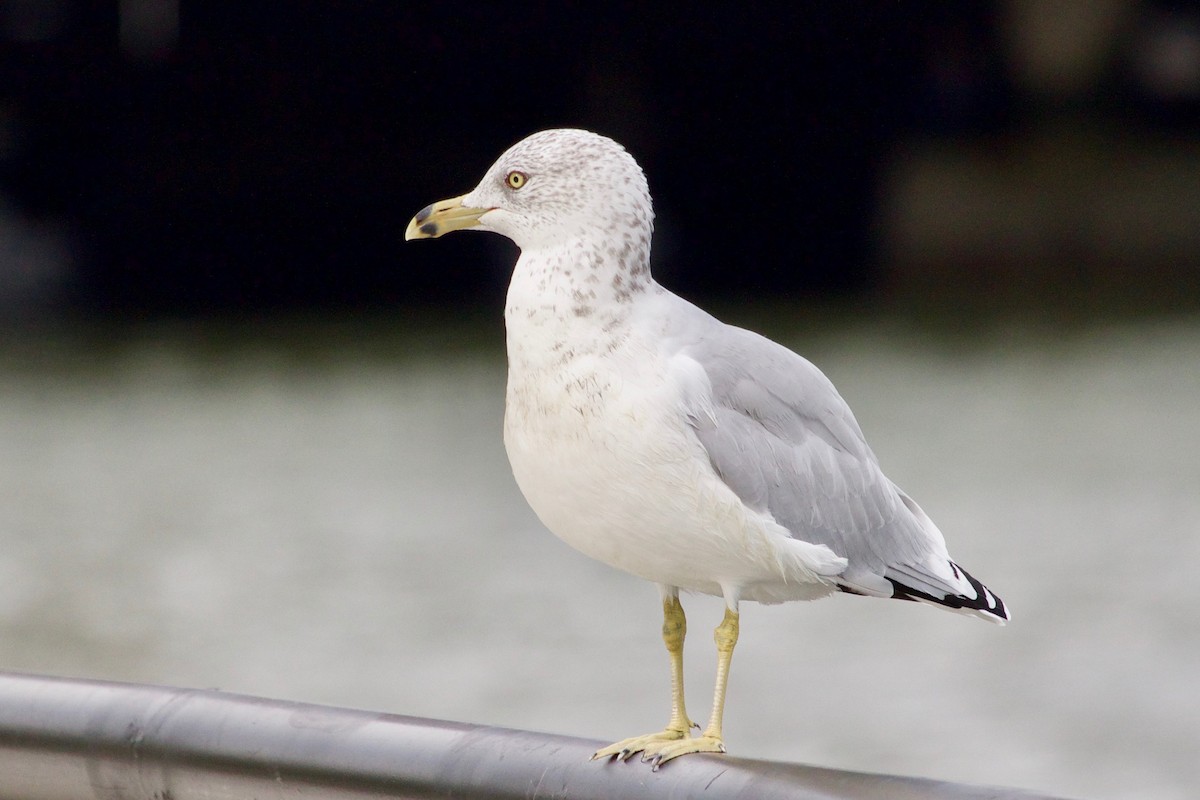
66	739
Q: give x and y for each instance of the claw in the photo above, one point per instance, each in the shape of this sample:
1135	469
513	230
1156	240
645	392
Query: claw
650	745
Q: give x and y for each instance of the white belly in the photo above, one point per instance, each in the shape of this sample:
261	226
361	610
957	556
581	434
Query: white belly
604	455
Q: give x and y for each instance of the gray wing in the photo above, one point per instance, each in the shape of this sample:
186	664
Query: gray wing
781	437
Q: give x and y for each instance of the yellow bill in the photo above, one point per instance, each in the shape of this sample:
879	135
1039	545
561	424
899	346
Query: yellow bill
442	217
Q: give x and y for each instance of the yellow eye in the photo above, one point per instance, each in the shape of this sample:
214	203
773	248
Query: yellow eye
516	180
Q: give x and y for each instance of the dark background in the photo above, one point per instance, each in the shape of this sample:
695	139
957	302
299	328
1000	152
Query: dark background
165	158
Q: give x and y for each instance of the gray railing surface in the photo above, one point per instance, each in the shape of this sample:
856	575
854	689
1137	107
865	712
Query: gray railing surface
66	739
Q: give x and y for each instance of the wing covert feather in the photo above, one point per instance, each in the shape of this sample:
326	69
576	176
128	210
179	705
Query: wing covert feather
777	432
781	437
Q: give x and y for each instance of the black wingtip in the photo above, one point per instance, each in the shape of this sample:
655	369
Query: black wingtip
985	603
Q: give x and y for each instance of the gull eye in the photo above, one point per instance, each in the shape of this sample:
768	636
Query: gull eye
516	180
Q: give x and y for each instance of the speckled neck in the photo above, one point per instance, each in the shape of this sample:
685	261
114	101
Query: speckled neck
581	276
573	299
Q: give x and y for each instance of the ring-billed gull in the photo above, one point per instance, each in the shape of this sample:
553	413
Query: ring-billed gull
661	441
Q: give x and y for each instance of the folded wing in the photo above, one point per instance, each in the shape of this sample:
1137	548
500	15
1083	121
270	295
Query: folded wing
781	437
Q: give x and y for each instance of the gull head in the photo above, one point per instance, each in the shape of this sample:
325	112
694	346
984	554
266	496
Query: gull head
549	189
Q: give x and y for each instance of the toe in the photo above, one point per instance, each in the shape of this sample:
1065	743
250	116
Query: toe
650	743
663	753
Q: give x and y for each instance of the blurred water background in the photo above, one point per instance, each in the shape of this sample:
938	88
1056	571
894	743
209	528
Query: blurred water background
249	439
323	511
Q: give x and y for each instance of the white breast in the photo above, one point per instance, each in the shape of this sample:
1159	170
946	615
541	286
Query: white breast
598	439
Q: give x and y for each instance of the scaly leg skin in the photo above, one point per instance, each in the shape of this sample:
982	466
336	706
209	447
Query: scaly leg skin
679	728
711	741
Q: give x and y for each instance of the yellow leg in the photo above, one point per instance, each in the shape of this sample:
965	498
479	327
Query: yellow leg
679	727
675	740
711	741
673	632
726	637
